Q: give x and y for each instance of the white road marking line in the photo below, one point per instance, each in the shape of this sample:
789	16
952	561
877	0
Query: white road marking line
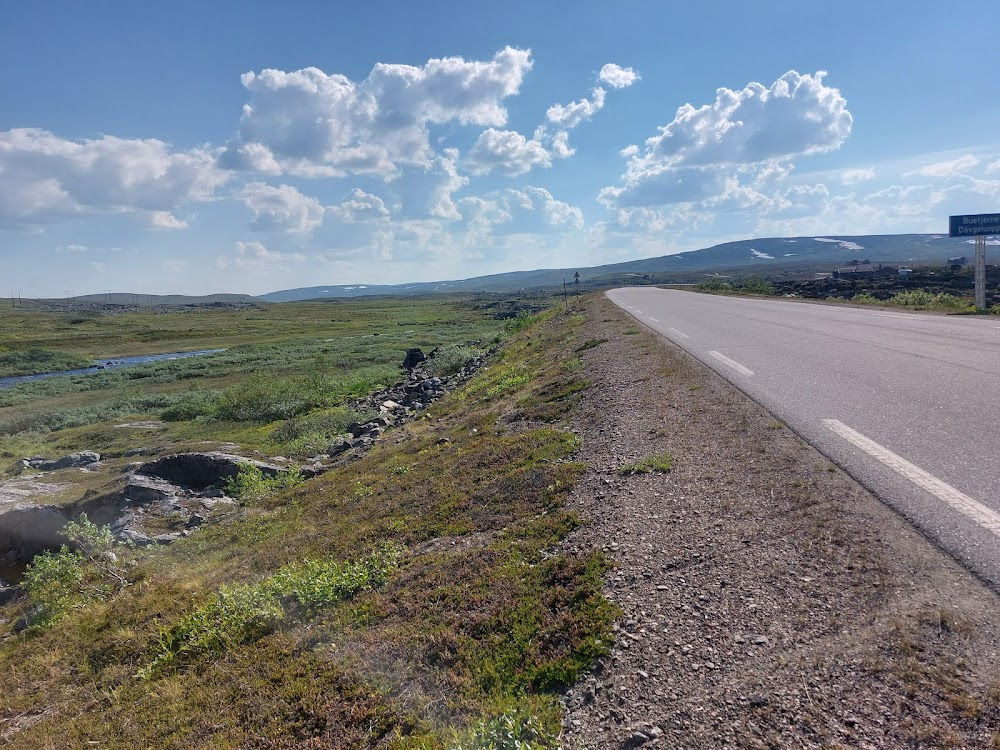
985	517
888	315
682	335
735	365
638	310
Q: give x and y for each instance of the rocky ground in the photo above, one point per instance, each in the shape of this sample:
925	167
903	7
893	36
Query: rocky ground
768	600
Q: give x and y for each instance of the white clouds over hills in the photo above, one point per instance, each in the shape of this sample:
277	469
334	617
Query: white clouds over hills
414	163
45	178
309	123
690	158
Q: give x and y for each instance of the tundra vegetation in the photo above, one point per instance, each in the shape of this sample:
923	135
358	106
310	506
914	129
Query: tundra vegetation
415	597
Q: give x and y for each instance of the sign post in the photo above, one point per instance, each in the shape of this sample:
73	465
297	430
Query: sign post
979	226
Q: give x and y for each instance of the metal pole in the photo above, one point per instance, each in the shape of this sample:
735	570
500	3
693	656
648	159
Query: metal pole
980	273
565	298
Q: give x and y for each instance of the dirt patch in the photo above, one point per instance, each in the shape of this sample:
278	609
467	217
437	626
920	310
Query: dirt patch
769	601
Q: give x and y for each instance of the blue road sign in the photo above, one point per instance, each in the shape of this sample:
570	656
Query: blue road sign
974	224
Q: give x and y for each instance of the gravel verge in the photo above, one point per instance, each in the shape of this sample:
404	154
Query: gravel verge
768	600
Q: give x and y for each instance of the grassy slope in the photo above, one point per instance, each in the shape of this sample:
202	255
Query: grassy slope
327	348
486	620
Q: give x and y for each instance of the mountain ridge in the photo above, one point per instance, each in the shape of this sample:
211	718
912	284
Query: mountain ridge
763	254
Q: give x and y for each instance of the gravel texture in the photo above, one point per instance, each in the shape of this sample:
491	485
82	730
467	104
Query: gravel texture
768	601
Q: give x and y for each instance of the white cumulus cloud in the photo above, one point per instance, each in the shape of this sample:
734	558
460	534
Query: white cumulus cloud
617	76
310	123
45	178
281	208
570	115
254	256
360	206
701	147
507	152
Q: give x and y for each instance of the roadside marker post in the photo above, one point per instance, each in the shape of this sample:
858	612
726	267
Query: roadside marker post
979	226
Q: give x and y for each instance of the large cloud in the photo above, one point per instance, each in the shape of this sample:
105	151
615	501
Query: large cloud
310	123
281	208
528	210
617	76
254	256
506	152
797	115
44	178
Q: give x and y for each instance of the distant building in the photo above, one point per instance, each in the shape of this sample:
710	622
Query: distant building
957	263
863	271
905	271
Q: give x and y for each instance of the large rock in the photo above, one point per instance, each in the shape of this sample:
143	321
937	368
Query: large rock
27	529
413	358
201	470
81	458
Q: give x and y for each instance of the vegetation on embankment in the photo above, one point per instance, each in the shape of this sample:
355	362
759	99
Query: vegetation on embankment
928	288
415	597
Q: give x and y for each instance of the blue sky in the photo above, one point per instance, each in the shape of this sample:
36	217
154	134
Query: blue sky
248	147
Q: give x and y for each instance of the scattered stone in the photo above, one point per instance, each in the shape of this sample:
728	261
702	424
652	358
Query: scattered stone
635	740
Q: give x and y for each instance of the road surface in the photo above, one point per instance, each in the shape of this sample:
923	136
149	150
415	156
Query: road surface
907	403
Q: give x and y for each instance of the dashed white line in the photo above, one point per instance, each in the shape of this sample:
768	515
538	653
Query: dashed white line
682	335
985	517
638	310
888	315
653	319
735	365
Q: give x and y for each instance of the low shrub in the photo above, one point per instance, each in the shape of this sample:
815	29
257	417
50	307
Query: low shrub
250	483
509	731
755	285
714	285
451	359
244	613
191	406
59	582
864	298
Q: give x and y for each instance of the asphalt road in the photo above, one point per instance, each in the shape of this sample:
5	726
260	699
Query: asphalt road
907	403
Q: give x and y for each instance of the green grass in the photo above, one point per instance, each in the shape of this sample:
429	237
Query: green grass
275	628
660	463
284	362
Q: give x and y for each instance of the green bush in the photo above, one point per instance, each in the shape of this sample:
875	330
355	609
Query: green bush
262	398
864	298
450	359
38	359
191	406
756	285
523	321
714	284
509	731
58	582
921	298
252	484
243	613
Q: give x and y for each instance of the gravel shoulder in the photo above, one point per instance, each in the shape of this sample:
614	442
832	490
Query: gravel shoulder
768	600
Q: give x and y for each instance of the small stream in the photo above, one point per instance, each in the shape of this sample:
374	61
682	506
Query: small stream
102	365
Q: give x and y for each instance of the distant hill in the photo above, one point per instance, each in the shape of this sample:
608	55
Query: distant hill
767	255
127	298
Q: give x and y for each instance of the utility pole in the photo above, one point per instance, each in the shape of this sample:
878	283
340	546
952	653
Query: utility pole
576	280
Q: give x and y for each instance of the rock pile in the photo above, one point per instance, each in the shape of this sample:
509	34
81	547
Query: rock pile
400	402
